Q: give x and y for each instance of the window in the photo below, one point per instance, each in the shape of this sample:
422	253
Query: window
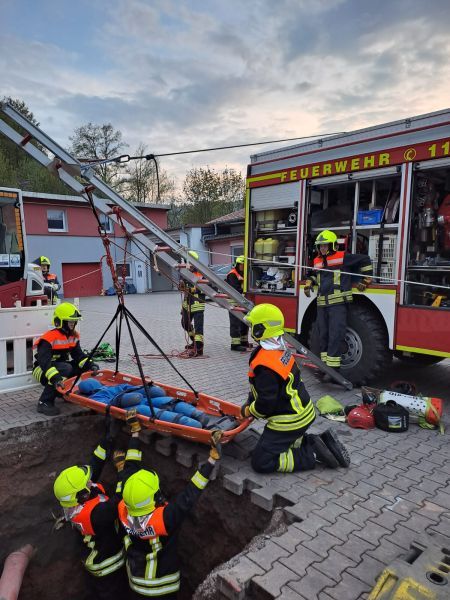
106	223
56	220
237	251
120	269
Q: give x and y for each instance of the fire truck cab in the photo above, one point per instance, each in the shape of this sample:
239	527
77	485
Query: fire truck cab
19	280
385	191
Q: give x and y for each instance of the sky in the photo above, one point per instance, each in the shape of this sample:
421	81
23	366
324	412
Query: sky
179	75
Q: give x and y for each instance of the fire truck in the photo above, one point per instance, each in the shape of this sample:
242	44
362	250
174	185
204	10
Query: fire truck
20	281
385	191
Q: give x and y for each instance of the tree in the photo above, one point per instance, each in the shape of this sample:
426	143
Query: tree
141	181
209	194
99	142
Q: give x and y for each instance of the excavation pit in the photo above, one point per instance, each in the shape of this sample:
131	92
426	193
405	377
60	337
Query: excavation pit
219	528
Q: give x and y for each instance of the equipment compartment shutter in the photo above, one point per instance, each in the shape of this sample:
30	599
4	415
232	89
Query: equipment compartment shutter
79	281
275	196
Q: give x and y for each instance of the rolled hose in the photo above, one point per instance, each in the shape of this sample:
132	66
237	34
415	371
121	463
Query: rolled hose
13	572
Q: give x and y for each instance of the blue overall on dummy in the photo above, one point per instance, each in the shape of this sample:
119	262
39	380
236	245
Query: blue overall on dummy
130	396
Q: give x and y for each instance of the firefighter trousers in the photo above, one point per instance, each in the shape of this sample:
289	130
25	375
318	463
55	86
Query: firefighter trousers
193	322
110	587
332	324
283	451
238	331
49	393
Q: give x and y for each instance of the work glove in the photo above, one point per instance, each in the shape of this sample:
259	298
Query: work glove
58	381
362	285
216	447
133	421
94	368
245	411
119	460
308	288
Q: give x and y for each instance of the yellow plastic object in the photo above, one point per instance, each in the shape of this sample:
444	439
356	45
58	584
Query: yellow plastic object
259	248
270	248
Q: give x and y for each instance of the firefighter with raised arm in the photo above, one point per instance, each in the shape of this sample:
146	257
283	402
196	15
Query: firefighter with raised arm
59	356
333	278
193	312
238	328
278	396
51	283
152	525
94	514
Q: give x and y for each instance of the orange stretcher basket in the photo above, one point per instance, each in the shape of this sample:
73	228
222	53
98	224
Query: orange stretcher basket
205	403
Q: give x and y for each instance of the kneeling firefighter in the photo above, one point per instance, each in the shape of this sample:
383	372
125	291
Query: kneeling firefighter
58	356
95	515
334	292
238	329
152	527
279	396
193	309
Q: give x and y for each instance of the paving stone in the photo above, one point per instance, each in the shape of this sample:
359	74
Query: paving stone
386	551
348	500
418	522
300	560
372	532
336	563
300	511
234	582
331	511
287	593
402	506
322	543
442	499
264	497
359	515
364	490
388	519
342	528
269	585
402	536
431	511
368	570
443	527
291	538
349	588
267	555
311	584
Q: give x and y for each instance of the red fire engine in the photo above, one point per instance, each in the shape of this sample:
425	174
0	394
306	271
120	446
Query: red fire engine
385	191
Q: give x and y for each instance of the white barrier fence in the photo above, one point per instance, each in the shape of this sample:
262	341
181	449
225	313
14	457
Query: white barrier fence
19	327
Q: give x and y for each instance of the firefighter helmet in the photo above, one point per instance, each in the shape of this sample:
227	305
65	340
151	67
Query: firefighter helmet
361	417
70	483
266	321
194	254
139	492
327	237
65	312
240	260
42	260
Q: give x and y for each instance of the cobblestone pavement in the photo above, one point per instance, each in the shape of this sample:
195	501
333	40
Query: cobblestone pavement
342	526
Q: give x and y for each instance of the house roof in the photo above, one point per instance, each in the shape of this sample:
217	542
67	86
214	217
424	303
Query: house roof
237	215
70	198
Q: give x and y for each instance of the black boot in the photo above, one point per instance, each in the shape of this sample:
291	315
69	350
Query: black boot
48	409
335	446
323	455
238	348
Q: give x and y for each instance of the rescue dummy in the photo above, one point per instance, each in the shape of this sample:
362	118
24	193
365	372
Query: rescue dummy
193	312
59	356
278	396
334	293
152	526
94	514
238	329
51	283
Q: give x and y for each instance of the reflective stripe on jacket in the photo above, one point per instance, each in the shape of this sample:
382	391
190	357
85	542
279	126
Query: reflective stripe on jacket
290	407
58	340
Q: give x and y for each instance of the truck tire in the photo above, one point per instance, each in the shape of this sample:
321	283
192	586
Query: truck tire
418	360
366	352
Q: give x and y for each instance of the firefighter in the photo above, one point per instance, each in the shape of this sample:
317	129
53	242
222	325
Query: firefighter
95	515
152	526
58	356
51	283
334	292
238	328
279	396
193	312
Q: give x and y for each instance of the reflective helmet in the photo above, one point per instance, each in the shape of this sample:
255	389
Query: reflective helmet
327	237
70	483
139	492
240	260
42	260
362	417
65	312
266	321
194	254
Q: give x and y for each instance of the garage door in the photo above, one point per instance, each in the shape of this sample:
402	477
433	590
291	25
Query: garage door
81	279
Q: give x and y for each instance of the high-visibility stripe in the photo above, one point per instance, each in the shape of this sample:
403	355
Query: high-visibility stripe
292	422
375	291
198	337
235	341
37	373
100	452
199	480
323	356
82	362
423	351
155	582
51	372
367	269
109	565
254	412
133	454
334	361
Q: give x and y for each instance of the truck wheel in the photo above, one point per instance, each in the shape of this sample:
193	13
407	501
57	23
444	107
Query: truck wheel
366	350
418	360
